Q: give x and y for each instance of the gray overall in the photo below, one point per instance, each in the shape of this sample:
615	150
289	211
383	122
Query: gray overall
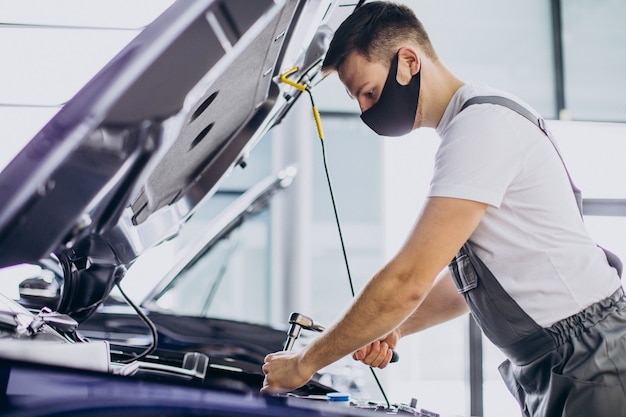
576	367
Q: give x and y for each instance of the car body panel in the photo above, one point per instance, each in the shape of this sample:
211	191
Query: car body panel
127	160
36	391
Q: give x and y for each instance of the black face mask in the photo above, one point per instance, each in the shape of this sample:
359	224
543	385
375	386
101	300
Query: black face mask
394	112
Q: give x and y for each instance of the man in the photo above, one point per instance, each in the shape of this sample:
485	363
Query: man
536	283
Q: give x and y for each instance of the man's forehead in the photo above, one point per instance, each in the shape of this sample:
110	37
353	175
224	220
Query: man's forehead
352	58
357	69
351	66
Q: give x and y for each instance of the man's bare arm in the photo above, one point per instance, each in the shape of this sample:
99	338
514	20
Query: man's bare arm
389	298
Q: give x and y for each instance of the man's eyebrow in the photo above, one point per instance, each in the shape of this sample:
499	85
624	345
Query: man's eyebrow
358	91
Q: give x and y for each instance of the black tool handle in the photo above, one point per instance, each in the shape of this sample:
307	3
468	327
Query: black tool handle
395	357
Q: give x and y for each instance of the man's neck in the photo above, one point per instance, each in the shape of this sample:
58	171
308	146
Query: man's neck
440	85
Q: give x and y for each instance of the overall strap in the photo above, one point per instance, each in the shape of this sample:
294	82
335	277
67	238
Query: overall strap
537	121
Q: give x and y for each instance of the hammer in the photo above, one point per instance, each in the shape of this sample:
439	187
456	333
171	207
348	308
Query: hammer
298	321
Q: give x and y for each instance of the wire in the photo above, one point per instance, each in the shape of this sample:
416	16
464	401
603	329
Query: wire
149	323
343	246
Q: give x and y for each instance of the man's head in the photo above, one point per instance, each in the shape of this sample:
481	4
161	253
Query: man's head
378	53
376	31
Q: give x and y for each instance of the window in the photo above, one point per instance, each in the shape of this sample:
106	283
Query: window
507	45
594	36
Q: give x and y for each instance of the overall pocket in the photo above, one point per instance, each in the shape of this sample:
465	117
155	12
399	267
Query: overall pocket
463	272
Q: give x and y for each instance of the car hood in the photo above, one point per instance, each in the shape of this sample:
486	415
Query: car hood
124	163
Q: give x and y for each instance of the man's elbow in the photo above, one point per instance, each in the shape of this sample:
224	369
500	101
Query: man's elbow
412	286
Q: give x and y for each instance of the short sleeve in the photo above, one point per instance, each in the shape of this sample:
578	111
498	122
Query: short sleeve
479	156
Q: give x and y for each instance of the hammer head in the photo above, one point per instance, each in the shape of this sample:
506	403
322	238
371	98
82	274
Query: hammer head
297	322
304	322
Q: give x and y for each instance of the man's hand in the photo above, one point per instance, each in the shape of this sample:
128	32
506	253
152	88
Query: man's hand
378	354
284	371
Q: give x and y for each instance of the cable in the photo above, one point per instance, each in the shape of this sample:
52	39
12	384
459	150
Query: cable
343	246
332	195
151	326
318	123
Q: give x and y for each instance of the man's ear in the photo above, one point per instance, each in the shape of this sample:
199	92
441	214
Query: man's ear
409	63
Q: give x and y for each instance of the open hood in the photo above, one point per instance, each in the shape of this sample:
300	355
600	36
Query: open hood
123	164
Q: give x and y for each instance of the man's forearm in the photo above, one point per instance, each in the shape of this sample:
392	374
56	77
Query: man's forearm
375	312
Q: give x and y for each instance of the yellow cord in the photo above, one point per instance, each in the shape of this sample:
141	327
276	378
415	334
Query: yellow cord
302	87
318	122
284	79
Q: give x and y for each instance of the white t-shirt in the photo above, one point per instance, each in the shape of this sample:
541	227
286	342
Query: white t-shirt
531	237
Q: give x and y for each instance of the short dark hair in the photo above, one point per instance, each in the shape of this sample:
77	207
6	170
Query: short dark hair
376	30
